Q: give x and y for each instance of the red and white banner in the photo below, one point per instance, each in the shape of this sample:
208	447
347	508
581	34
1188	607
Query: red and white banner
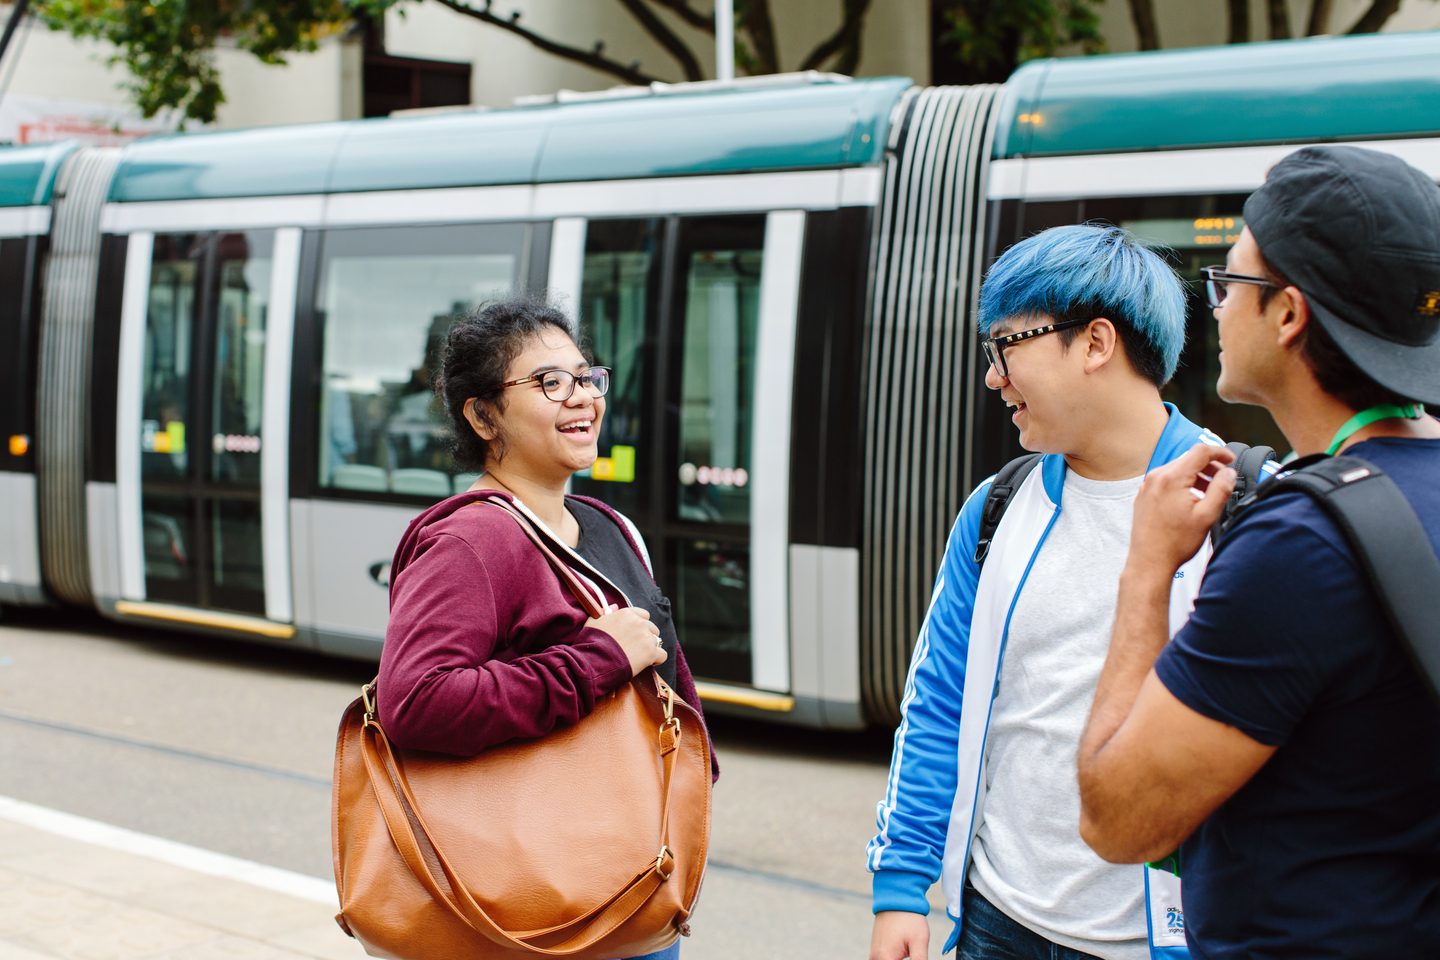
42	120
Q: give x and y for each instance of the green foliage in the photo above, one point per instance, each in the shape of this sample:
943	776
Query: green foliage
989	38
167	46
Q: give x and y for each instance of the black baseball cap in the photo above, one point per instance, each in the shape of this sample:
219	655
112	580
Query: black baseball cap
1358	231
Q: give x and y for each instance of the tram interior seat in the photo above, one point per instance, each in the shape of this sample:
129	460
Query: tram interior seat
420	482
359	476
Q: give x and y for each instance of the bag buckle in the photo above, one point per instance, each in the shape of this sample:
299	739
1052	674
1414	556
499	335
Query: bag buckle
673	726
367	700
661	867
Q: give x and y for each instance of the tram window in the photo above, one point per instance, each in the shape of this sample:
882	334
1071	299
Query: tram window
387	298
721	259
236	562
169	328
1199	234
244	268
712	598
14	370
167	539
615	305
717	371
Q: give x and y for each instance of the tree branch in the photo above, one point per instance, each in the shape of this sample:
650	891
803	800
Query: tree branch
689	14
590	58
1374	18
1279	19
1142	13
1239	16
1319	18
844	41
665	37
761	27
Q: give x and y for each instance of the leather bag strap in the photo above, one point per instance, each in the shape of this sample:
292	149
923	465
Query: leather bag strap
563	570
415	844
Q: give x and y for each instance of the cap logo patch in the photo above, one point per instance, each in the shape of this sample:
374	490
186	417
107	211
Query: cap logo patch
1429	304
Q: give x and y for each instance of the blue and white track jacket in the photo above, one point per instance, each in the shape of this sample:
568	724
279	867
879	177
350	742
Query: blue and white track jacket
935	797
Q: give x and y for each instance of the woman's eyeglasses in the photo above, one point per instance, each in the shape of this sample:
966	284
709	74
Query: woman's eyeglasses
559	385
1218	278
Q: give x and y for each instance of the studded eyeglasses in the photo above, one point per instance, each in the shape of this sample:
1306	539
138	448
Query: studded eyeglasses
994	347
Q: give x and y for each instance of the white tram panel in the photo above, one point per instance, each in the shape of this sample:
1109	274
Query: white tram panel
1169	172
769	496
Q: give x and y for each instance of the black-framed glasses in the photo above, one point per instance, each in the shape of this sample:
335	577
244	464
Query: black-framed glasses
559	385
1217	278
994	347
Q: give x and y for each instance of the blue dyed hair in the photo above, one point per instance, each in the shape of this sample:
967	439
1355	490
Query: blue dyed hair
1089	270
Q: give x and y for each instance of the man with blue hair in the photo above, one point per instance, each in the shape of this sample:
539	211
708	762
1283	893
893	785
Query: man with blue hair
1083	326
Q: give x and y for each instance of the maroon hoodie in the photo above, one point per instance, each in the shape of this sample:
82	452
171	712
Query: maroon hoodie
485	644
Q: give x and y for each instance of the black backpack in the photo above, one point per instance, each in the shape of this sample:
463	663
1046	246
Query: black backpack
1388	540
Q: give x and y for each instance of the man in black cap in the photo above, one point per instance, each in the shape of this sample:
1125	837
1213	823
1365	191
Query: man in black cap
1284	735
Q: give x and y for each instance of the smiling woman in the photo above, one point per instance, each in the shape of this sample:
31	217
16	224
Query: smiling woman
484	644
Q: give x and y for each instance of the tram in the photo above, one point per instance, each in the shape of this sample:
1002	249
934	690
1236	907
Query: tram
215	349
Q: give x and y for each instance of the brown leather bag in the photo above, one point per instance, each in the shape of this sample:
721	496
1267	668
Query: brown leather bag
589	843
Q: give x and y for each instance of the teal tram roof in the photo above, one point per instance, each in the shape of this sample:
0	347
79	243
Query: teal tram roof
807	125
1322	88
27	174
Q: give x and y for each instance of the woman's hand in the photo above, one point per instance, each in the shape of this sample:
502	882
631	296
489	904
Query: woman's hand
638	637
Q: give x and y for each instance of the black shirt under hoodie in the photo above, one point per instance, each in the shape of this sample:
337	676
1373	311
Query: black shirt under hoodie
604	546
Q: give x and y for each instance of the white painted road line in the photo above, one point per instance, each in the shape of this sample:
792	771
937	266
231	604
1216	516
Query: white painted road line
168	851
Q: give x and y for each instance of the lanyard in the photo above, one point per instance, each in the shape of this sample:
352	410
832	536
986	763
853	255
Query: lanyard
1363	419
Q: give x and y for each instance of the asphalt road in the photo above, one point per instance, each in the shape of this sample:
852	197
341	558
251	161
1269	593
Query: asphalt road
229	747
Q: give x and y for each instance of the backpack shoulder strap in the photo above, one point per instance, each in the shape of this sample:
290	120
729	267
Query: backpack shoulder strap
1249	465
1390	543
1006	482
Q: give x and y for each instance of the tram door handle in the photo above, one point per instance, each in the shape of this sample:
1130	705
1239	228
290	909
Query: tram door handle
380	573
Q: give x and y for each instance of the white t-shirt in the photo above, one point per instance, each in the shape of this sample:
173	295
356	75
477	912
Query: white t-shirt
1028	858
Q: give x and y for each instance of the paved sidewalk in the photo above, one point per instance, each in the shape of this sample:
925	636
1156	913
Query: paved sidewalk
80	890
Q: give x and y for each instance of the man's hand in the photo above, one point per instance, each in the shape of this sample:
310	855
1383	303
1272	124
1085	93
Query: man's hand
1177	505
899	935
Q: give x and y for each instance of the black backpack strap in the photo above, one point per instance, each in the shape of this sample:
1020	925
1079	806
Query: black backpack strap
1389	541
1006	482
1249	464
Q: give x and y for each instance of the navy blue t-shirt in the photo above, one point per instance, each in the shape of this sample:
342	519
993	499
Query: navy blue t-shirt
1333	848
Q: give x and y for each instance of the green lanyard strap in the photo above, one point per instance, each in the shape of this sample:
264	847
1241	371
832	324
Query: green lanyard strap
1363	419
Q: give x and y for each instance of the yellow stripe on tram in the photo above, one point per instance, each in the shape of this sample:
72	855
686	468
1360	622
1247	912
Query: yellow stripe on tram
745	697
205	618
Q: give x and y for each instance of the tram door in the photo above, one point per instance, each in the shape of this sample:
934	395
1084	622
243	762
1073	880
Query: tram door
695	442
200	431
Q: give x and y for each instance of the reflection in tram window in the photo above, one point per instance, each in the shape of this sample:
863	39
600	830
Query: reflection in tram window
236	571
166	536
712	596
717	385
615	305
244	268
387	298
169	327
